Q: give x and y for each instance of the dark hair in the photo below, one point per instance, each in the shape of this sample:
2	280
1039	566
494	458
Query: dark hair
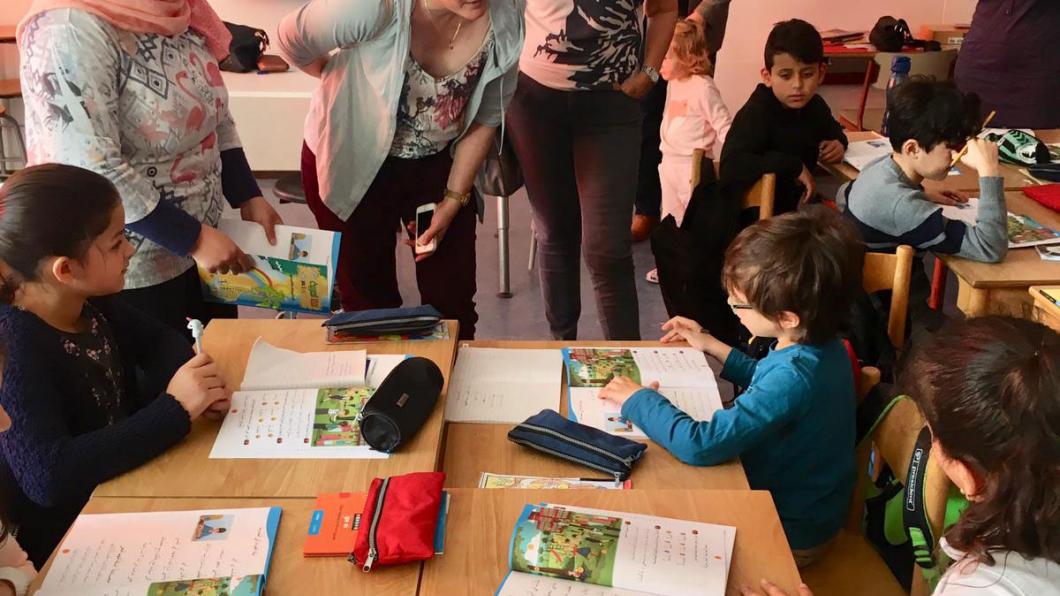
797	38
931	112
50	210
989	389
807	262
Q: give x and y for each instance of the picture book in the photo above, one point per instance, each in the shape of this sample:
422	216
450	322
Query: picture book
295	274
173	553
301	423
861	153
335	522
503	386
489	480
1024	231
683	374
269	367
556	549
338	336
1048	252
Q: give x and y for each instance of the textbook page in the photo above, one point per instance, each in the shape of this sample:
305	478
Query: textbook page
300	423
269	367
861	153
216	551
629	552
490	480
966	212
587	408
503	386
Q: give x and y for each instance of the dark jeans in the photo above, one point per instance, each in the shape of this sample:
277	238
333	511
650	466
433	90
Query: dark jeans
175	301
366	274
579	152
649	193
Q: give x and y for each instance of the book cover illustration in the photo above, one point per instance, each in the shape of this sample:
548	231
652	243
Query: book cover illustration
249	585
595	367
489	480
561	543
1024	231
334	524
335	420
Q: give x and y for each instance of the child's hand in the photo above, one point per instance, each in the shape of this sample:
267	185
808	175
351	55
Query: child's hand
217	410
198	386
770	589
621	389
946	197
682	329
809	185
831	151
982	156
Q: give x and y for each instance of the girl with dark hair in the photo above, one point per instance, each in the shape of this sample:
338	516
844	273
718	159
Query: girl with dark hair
16	571
95	388
989	389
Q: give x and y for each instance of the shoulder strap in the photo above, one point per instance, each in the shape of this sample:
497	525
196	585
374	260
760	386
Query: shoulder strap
913	514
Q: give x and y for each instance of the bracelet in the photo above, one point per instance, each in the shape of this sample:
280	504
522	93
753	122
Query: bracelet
462	198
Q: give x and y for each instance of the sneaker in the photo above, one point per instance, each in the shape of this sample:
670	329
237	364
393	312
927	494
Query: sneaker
642	227
652	276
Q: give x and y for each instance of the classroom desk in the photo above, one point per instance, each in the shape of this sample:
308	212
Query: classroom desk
1001	288
289	573
1046	311
472	448
481	523
186	470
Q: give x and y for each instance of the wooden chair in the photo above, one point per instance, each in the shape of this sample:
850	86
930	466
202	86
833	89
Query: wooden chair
851	565
884	271
760	195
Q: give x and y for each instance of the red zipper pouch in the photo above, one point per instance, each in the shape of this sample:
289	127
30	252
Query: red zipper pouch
399	520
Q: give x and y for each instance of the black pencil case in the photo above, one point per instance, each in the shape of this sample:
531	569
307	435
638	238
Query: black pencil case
553	434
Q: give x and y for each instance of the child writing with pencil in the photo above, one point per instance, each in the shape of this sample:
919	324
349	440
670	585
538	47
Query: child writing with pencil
94	387
789	277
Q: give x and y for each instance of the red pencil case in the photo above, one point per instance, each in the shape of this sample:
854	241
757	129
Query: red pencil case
399	520
1046	194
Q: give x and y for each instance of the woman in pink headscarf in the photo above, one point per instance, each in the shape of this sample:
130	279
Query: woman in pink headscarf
132	89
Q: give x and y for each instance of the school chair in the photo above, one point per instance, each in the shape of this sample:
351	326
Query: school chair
761	195
938	65
851	565
885	271
10	89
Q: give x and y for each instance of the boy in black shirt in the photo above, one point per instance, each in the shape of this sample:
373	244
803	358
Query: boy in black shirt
785	127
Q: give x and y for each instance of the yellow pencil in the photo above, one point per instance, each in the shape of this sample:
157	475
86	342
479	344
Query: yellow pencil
964	149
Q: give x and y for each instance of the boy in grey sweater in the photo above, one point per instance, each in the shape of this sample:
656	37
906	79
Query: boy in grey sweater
928	122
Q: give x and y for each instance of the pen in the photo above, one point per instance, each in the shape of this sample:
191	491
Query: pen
965	148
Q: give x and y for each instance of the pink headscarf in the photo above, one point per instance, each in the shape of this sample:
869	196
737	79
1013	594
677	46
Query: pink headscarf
164	17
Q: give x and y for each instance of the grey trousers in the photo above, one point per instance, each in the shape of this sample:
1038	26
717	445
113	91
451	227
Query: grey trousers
579	151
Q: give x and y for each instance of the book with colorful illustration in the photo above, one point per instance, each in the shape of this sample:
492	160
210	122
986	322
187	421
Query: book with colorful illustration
1024	231
555	547
336	520
172	553
490	480
295	274
683	374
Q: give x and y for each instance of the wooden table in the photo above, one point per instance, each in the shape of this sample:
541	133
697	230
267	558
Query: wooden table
1001	288
186	470
471	448
290	572
481	523
1046	311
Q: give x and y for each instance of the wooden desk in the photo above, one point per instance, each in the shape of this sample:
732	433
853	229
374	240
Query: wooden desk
290	572
1001	288
186	470
475	559
471	449
7	33
1045	311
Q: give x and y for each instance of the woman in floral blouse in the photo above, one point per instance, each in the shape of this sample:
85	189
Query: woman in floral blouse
410	94
131	89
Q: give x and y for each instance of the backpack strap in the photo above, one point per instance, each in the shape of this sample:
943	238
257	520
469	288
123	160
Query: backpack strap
877	403
913	514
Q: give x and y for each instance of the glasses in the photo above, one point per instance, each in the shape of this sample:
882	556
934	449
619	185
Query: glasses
735	307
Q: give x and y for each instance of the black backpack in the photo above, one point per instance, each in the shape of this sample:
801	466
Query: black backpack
248	44
892	35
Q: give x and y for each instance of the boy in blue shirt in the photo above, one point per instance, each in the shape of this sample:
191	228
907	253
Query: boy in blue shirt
789	277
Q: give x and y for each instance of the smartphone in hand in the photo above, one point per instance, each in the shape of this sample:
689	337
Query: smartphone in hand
424	215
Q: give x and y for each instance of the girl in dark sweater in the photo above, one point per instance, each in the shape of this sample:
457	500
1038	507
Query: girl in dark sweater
93	387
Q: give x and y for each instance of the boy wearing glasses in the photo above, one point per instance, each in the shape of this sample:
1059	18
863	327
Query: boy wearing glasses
792	278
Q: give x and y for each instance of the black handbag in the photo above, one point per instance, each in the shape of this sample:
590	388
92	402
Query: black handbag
500	175
401	405
893	35
248	44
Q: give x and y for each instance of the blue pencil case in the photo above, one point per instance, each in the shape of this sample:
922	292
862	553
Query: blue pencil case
553	434
386	320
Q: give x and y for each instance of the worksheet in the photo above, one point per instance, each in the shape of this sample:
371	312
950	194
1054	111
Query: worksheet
301	423
216	551
503	386
269	367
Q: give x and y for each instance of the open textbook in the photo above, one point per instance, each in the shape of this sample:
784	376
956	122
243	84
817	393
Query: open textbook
683	374
216	551
556	549
490	480
503	386
295	274
297	418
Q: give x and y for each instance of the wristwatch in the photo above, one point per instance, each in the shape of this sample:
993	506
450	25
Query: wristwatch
652	73
462	198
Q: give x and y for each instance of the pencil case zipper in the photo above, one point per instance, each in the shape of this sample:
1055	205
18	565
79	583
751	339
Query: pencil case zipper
382	322
627	462
617	475
377	514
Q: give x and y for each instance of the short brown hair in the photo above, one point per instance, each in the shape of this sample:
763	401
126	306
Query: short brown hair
808	262
690	47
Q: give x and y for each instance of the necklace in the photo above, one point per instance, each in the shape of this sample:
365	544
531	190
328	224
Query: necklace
430	15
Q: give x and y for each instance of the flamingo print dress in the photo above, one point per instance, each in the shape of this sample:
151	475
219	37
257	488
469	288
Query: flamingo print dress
148	112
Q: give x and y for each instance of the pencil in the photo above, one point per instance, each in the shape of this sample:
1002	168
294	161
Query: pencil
964	149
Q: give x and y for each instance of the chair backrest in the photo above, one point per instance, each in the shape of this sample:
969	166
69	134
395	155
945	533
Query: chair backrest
761	195
938	65
885	271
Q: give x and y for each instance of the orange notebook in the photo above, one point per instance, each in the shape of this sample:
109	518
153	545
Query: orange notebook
334	524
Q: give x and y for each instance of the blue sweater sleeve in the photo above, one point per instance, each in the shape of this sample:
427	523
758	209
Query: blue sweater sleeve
739	368
170	227
237	179
769	404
